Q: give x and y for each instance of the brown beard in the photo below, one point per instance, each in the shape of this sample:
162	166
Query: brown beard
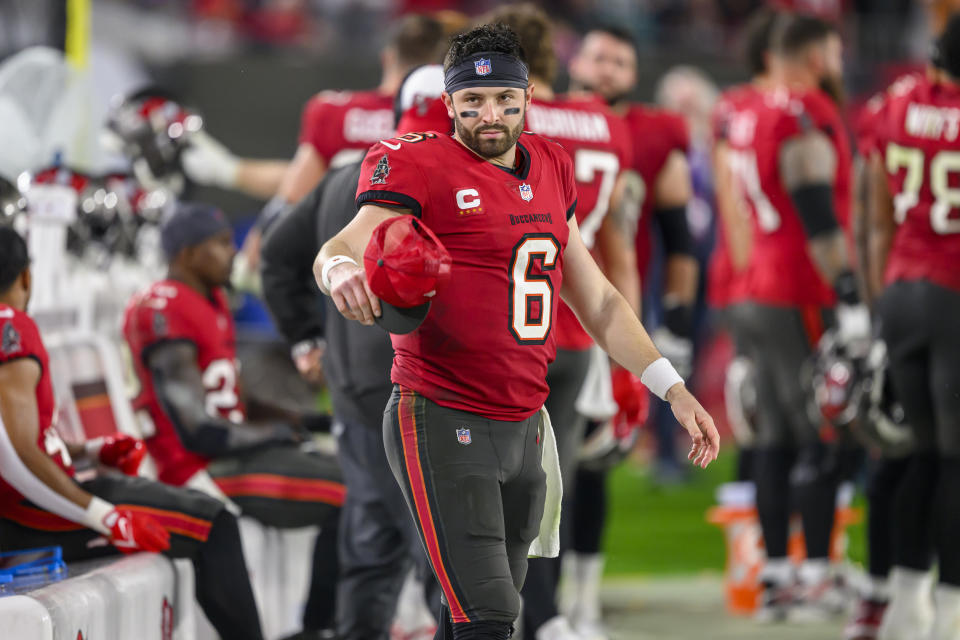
489	148
833	87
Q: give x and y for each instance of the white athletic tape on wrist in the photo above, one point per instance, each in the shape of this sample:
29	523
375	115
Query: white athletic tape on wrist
330	264
95	514
659	376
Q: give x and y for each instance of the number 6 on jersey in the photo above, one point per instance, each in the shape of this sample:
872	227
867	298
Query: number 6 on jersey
531	295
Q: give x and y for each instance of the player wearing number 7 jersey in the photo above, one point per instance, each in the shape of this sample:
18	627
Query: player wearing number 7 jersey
192	413
916	251
788	152
464	430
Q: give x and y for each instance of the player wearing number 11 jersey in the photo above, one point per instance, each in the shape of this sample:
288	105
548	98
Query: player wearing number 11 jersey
788	152
464	430
917	247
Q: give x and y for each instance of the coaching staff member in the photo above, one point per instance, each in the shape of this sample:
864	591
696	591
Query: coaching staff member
377	537
463	426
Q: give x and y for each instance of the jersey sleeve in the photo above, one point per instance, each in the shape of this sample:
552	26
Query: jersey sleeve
20	338
622	141
317	125
679	134
569	184
390	177
866	125
720	120
155	320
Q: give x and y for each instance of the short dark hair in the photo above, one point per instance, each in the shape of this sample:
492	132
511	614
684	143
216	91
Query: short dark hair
797	32
617	32
535	32
947	48
14	258
418	39
758	36
497	37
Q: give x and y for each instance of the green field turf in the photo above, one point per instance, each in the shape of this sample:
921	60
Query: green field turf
657	530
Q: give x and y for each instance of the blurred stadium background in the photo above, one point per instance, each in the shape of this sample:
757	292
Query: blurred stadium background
248	66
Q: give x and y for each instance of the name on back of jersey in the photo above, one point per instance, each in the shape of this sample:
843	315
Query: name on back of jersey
934	123
568	123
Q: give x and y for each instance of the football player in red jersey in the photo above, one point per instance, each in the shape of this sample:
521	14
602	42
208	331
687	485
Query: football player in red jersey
464	428
606	65
789	153
42	505
598	142
915	238
181	336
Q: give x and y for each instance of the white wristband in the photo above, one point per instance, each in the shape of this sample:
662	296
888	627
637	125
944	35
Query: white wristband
95	514
330	264
659	376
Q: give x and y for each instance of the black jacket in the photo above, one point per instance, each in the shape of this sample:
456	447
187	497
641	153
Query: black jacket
358	358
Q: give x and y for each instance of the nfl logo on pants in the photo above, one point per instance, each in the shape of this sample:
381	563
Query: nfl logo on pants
482	66
463	435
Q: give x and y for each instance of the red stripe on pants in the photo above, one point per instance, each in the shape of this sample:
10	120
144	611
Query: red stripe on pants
411	459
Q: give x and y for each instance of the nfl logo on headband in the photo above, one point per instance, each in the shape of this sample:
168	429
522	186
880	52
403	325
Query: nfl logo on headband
483	66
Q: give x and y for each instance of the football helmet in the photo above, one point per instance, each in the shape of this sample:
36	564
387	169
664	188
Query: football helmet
12	201
883	422
612	441
152	129
836	378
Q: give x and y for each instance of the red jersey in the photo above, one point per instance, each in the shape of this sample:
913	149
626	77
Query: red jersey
341	125
725	285
919	136
781	271
20	338
655	133
170	310
486	343
599	145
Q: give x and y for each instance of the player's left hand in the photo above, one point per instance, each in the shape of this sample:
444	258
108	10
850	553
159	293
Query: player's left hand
120	451
694	418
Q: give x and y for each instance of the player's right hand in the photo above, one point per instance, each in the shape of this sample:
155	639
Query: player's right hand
694	418
310	365
119	451
131	531
352	295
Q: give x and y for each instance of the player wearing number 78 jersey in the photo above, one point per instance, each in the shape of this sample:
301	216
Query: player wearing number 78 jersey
916	253
464	428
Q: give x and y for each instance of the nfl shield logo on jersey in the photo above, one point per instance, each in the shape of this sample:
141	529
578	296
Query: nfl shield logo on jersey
526	192
463	436
483	66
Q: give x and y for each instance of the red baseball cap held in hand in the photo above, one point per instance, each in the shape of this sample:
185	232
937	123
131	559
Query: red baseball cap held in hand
405	265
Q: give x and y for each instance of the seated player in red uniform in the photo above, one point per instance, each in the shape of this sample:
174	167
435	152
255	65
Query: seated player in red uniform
192	413
464	429
42	505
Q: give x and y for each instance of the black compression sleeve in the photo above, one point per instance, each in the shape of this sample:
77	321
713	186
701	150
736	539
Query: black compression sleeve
676	231
845	286
814	203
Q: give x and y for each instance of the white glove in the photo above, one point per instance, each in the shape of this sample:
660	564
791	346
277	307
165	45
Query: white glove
679	351
206	161
853	328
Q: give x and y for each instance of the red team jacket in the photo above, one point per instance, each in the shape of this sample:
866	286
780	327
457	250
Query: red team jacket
918	133
170	310
599	144
781	272
341	125
486	343
725	285
655	134
20	338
